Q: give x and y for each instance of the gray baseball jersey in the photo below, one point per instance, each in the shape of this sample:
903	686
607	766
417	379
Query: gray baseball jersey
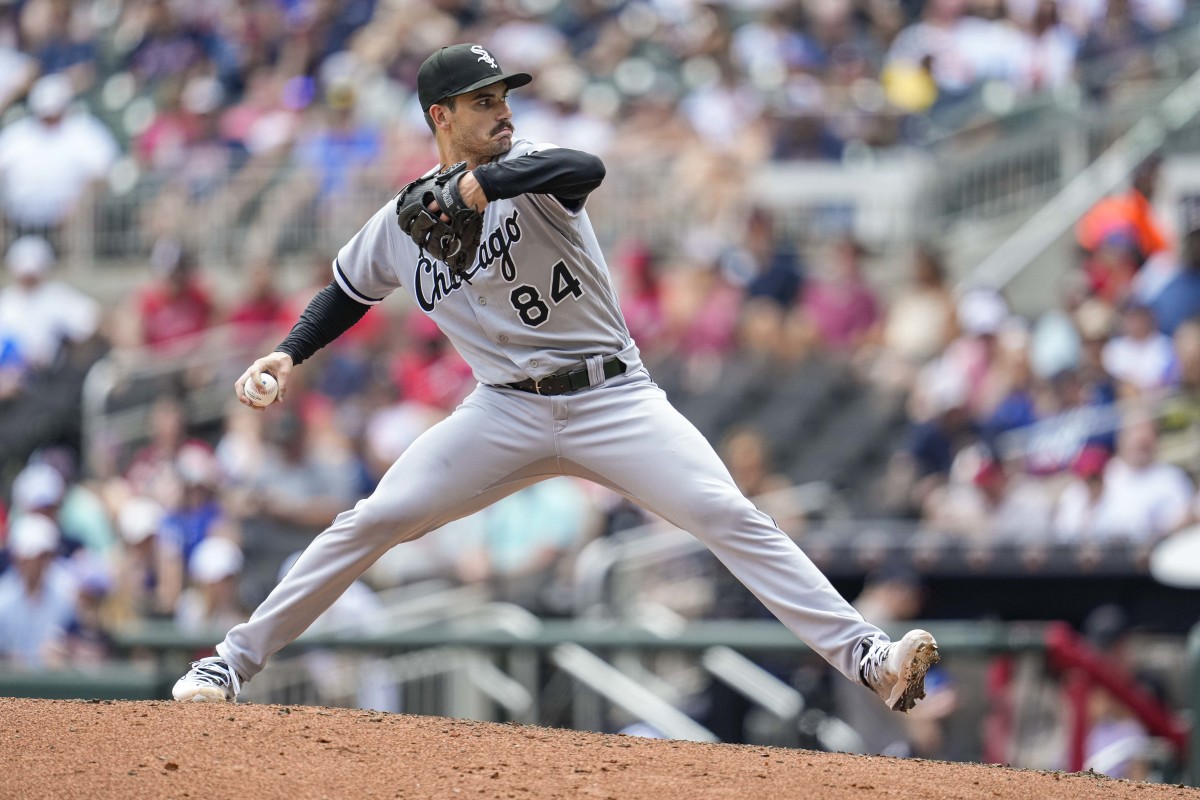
539	297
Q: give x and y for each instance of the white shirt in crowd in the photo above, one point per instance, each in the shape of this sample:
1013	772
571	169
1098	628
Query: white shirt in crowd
1136	505
953	63
1145	364
28	625
44	169
1079	518
1046	61
1085	15
40	319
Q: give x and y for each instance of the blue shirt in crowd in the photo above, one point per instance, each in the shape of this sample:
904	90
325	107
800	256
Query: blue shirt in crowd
1179	300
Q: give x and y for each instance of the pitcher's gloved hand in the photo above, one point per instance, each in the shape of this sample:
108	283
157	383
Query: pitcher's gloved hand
451	230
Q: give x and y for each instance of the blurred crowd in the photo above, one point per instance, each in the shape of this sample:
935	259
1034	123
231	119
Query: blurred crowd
281	110
1081	421
1074	425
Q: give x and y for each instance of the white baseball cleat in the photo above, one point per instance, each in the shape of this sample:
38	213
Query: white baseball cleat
210	680
896	670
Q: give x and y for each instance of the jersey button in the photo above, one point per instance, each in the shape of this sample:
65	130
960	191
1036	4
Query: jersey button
503	338
533	363
483	301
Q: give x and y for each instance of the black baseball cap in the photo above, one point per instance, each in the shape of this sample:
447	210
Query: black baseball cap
461	68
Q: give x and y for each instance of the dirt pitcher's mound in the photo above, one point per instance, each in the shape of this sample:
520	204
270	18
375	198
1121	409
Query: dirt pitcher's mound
103	750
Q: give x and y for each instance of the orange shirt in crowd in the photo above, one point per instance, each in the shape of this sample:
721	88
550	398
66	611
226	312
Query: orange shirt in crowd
1130	214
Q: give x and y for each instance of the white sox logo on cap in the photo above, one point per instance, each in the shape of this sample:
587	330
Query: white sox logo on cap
485	56
462	68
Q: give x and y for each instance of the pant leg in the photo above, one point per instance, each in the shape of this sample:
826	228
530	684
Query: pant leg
629	437
492	445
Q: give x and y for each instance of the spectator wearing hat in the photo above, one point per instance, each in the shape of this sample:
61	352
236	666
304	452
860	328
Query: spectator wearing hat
39	316
83	517
38	489
137	584
983	318
1120	235
47	486
37	595
50	160
196	516
211	601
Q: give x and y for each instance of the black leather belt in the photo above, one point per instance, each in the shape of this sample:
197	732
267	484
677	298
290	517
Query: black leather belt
566	382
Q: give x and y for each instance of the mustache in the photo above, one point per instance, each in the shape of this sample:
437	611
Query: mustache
503	126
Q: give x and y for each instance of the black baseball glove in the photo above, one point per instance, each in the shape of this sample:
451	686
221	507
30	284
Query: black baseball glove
455	242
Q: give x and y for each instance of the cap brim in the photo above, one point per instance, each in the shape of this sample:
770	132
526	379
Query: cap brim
512	79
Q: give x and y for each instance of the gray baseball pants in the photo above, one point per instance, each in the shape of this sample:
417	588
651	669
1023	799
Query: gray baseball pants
623	435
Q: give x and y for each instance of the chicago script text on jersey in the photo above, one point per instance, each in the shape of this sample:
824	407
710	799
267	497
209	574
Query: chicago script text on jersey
434	282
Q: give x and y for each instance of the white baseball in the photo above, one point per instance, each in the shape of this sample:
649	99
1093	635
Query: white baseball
265	397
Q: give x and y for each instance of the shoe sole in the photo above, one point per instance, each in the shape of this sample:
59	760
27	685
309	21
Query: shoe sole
912	681
202	696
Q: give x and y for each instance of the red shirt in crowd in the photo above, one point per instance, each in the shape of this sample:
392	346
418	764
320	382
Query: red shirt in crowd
170	315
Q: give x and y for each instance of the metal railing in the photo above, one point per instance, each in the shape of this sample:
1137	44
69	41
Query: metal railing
602	562
1175	113
425	678
219	355
485	672
627	693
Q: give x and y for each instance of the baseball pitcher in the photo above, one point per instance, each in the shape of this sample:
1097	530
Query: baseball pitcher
495	246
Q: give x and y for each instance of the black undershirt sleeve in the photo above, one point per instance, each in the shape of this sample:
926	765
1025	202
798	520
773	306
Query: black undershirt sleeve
328	315
569	175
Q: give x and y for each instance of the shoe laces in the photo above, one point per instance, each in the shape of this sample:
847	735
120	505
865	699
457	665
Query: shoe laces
215	671
874	661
